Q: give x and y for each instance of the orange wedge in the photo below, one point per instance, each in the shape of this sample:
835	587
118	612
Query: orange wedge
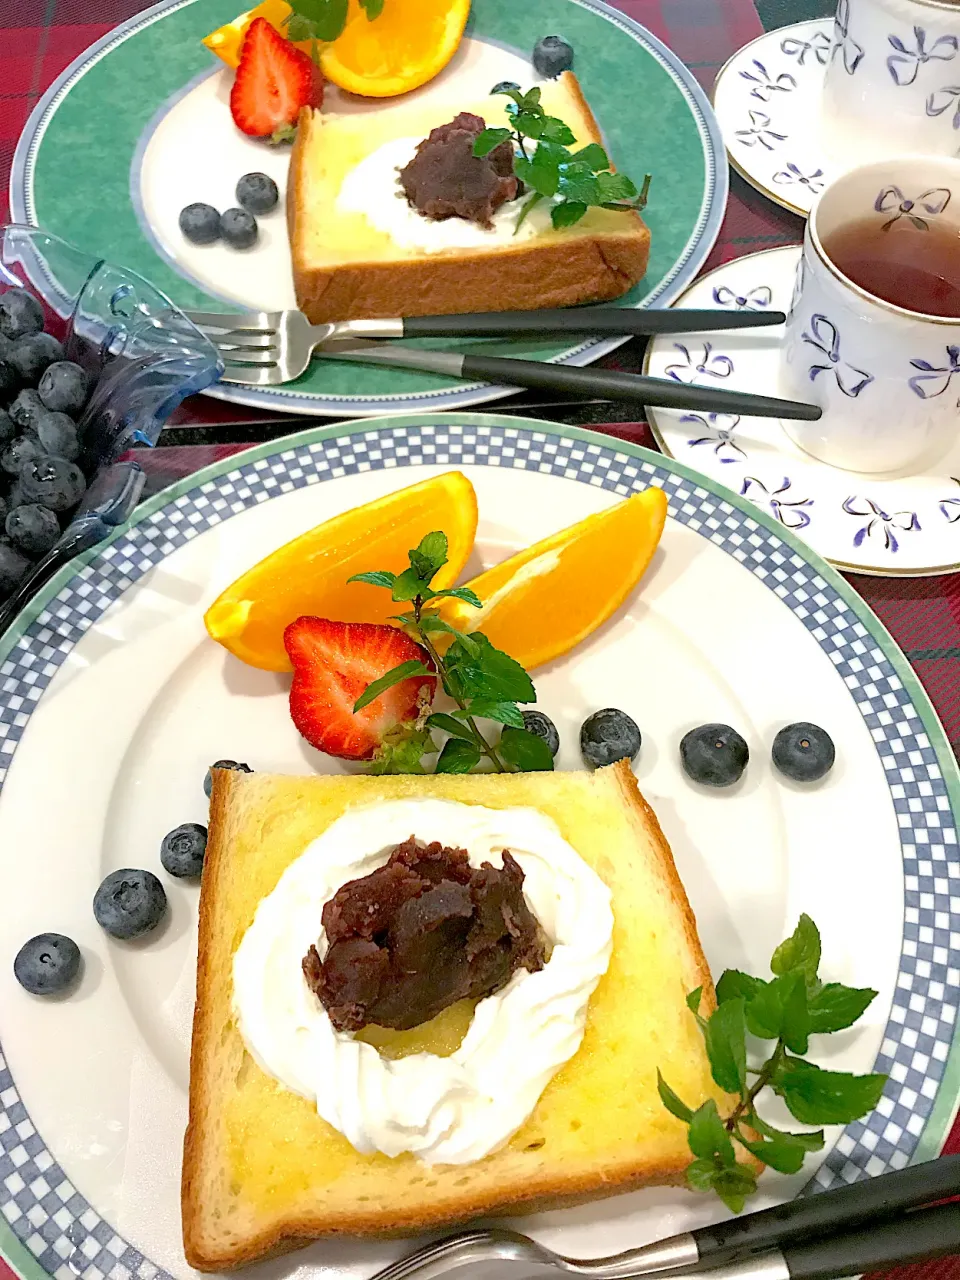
225	42
309	575
541	602
408	44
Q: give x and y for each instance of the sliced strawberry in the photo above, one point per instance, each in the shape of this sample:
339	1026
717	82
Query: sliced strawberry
274	80
333	662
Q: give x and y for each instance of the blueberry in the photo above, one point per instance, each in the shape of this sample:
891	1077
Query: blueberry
504	85
63	387
129	903
551	55
200	223
32	529
182	849
20	314
714	754
47	964
8	428
536	722
222	764
257	193
13	568
26	409
53	482
9	380
21	451
31	355
803	751
57	433
608	736
238	228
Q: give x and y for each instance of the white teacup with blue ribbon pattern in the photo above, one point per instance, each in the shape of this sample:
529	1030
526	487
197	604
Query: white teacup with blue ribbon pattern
893	80
887	378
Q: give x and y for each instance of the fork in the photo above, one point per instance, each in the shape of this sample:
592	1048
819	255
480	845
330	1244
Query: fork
840	1232
264	349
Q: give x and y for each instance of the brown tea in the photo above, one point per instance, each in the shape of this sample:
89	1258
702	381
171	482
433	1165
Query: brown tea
900	262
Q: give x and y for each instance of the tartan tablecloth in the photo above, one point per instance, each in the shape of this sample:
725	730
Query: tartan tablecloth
39	38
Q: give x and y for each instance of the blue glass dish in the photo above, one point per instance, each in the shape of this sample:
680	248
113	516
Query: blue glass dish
143	357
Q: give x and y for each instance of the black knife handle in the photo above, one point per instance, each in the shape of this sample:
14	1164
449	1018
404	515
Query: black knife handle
833	1211
587	320
926	1233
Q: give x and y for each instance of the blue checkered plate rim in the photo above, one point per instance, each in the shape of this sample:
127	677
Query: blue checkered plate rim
48	1228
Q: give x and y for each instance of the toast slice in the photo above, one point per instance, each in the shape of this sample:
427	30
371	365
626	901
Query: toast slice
346	268
263	1173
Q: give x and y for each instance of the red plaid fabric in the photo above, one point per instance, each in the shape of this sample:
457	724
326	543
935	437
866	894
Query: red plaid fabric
39	38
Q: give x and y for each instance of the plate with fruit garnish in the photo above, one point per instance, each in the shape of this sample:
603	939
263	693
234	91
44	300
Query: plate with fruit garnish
382	158
452	816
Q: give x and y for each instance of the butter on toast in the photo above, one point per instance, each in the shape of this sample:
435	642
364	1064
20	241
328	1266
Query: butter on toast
345	268
263	1173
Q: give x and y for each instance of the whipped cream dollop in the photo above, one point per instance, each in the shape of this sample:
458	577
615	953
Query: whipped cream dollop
372	189
451	1110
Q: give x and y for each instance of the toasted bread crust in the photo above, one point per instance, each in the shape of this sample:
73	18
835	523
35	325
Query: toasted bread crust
555	272
553	1188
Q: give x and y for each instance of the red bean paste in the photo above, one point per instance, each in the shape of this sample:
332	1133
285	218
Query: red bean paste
446	180
419	934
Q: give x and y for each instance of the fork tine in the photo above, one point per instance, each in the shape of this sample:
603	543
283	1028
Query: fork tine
261	320
252	376
246	340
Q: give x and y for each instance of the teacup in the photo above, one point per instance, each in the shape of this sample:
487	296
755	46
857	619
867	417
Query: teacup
886	377
893	81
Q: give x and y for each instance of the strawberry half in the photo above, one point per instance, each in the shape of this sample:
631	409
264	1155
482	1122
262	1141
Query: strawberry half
333	662
274	80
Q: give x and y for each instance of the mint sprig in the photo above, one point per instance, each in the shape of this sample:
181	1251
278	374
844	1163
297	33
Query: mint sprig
323	20
484	682
788	1008
576	180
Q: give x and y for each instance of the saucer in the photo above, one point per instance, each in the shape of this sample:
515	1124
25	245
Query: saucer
895	524
767	99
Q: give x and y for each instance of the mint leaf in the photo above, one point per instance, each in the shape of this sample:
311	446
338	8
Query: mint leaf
440	720
580	187
734	983
486	672
541	174
299	28
815	1096
460	593
615	186
526	752
430	557
378	578
779	1009
490	138
503	712
734	1186
777	1148
693	1000
429	622
458	756
726	1039
405	671
409	585
835	1007
800	951
401	751
765	1012
593	156
567	213
674	1105
514	94
529	204
329	17
708	1137
531	98
372	8
556	131
701	1173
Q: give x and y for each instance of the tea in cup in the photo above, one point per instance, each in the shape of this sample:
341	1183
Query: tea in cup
873	331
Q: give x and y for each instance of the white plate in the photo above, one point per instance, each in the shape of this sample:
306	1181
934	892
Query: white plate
114	702
895	525
767	101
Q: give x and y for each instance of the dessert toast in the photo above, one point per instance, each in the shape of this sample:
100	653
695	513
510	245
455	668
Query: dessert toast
345	268
263	1173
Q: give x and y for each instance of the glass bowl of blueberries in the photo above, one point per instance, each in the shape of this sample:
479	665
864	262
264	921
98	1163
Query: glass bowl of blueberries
93	360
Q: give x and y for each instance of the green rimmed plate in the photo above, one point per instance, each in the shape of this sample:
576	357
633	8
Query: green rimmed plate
146	107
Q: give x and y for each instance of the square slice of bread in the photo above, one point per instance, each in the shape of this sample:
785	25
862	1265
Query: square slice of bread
344	268
263	1173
